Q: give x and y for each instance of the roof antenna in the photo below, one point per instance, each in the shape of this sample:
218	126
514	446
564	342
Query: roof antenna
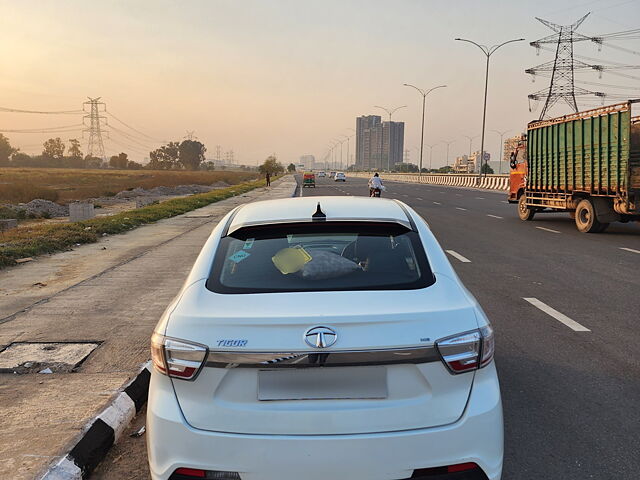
319	216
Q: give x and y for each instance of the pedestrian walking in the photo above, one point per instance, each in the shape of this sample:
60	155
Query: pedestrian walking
268	178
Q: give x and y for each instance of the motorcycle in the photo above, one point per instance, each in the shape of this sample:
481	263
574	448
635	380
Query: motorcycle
375	192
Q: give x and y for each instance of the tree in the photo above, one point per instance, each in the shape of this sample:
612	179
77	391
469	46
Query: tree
120	161
92	162
74	148
291	168
271	166
191	154
486	168
446	169
53	149
165	157
406	167
134	165
21	159
6	150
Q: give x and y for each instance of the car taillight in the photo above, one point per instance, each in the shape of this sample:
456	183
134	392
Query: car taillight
194	473
467	351
177	358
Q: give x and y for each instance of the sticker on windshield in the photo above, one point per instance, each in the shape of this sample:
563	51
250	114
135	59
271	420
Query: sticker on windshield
248	243
239	256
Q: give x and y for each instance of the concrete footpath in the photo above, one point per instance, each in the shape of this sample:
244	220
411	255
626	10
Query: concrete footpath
110	294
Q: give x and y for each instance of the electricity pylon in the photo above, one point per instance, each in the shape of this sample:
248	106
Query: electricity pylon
95	147
562	86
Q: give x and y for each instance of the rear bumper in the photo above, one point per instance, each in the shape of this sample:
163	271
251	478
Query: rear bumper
476	437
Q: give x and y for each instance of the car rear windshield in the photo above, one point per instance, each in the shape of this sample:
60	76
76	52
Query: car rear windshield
320	257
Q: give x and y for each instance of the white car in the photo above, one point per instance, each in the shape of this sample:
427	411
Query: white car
340	177
324	337
322	174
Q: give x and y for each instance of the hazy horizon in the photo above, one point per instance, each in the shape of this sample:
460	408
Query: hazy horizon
285	76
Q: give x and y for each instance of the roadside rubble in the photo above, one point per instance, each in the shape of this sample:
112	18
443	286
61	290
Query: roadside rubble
40	208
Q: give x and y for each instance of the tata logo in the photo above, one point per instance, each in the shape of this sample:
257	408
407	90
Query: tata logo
320	337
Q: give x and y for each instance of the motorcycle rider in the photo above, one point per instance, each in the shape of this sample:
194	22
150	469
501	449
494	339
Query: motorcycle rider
375	183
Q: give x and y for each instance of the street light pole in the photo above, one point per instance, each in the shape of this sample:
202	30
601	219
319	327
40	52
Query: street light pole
488	51
502	134
348	142
447	144
390	112
424	101
430	155
471	139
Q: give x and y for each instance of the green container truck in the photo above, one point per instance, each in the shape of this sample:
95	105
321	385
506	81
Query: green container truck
587	164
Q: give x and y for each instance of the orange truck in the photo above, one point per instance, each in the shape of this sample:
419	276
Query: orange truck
586	164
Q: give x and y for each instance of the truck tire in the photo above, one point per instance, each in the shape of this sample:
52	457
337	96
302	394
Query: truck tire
586	220
525	212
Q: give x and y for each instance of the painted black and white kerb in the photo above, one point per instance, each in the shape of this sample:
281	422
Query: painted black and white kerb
103	431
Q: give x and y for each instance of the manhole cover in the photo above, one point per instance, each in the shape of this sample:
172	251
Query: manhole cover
31	357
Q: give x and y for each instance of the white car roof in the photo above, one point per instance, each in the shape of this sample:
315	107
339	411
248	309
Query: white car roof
336	208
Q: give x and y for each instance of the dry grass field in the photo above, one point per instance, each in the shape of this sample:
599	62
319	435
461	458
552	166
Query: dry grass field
20	185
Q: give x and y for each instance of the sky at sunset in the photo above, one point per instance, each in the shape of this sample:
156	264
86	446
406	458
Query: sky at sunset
284	76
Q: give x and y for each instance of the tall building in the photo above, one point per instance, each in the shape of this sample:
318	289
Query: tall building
308	161
368	141
379	145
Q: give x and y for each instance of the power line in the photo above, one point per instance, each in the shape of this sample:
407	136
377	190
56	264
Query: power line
129	137
60	129
132	128
59	112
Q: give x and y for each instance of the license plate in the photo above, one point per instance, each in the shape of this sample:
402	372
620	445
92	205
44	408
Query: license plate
323	383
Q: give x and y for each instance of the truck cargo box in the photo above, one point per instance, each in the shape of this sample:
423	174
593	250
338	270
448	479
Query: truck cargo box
596	152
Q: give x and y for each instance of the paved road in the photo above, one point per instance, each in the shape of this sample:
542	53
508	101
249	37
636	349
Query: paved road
570	396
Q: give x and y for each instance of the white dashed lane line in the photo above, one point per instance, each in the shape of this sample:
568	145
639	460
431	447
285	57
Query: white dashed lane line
437	203
632	250
418	198
479	198
455	254
548	230
561	317
504	201
460	208
493	216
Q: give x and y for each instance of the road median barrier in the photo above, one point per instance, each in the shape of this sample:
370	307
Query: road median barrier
487	182
103	431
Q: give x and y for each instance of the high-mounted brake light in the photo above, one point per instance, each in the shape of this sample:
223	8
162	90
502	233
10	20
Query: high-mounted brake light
467	351
177	358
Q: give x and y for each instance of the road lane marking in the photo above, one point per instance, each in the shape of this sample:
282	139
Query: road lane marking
479	198
455	254
548	230
418	198
493	216
632	250
561	317
460	208
437	203
504	201
458	194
